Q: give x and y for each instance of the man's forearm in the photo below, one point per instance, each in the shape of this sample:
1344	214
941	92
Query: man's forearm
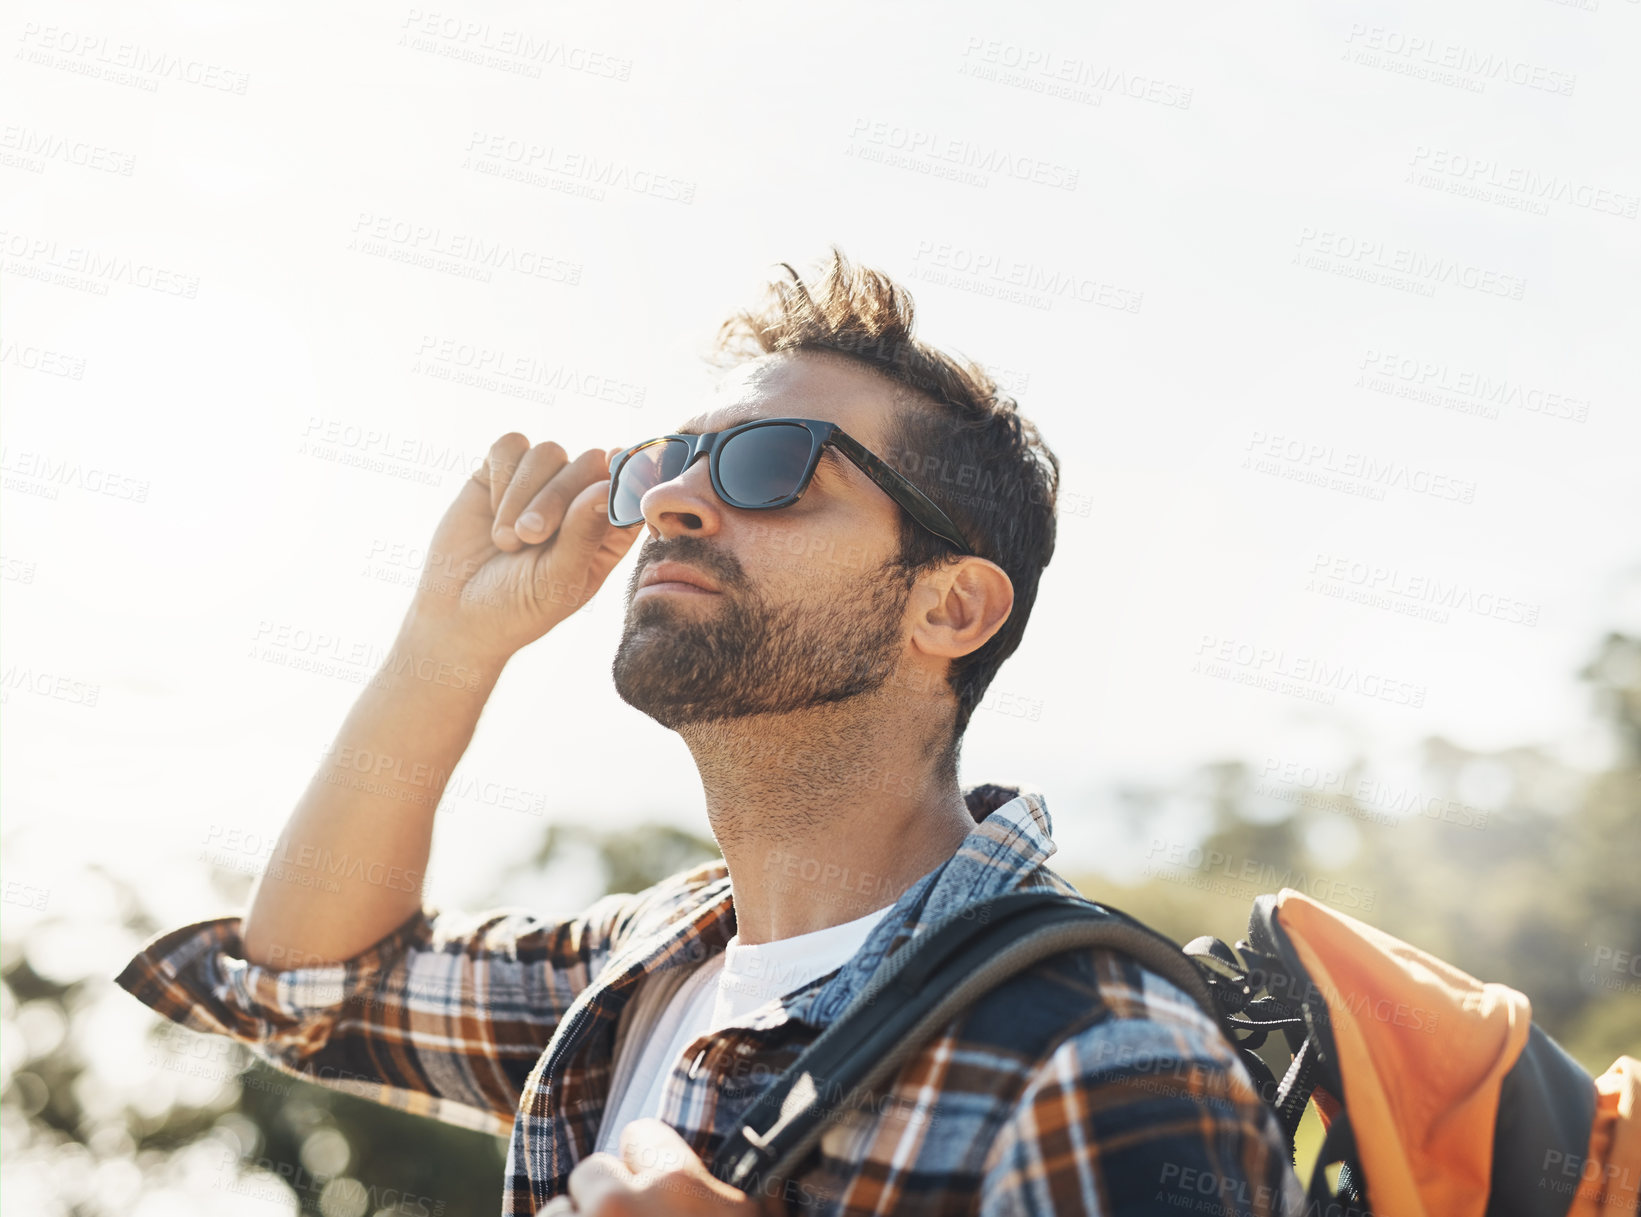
350	863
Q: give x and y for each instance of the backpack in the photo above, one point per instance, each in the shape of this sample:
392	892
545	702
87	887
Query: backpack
1439	1095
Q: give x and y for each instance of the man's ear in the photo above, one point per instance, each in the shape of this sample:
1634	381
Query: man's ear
960	606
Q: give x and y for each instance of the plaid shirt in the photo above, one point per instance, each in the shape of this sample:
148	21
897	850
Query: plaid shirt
1089	1085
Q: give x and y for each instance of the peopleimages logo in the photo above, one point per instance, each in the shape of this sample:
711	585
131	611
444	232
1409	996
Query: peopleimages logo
933	148
42	474
1488	390
480	365
989	272
464	254
1298	459
382	451
98	56
34	148
359	661
38	359
1412	593
1309	676
1361	796
1217	871
1040	70
88	269
1396	265
1450	62
538	163
1461	173
516	50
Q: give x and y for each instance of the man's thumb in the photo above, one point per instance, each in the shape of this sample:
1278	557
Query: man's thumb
649	1145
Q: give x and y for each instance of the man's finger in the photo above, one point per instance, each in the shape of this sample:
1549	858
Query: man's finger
558	1206
535	470
650	1146
502	461
665	1166
596	1177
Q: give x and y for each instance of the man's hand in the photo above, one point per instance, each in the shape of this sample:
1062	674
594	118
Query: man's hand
524	545
657	1174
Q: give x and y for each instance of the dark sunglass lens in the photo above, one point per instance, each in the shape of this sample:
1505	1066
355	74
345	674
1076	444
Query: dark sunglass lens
649	466
765	464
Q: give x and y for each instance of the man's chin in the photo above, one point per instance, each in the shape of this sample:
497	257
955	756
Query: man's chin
655	649
663	608
662	700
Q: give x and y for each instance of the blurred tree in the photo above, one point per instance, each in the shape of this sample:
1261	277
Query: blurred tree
631	858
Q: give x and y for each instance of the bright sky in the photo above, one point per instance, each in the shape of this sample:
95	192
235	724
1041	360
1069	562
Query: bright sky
1341	303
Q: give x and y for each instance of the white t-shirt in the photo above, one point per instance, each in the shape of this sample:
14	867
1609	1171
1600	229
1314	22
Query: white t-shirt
664	1019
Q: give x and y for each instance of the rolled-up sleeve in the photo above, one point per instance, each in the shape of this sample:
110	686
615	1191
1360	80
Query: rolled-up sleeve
443	1017
1136	1116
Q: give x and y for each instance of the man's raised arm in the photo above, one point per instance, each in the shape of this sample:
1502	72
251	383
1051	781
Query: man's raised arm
525	543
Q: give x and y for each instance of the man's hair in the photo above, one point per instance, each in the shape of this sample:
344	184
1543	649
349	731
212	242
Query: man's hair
957	437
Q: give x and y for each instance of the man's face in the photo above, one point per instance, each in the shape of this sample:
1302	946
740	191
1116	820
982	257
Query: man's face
803	611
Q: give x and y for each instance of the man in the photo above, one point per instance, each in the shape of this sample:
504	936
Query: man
818	606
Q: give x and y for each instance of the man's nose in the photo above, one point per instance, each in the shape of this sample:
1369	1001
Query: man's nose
684	505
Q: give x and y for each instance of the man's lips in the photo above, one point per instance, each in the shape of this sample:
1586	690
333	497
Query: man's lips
676	577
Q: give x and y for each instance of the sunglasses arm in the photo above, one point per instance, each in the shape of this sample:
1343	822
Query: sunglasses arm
922	508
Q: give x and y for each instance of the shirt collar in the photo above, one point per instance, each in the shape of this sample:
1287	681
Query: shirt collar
1003	850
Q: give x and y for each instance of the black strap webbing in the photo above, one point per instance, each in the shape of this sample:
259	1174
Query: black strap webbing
917	991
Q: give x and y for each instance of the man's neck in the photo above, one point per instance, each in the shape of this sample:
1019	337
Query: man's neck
824	816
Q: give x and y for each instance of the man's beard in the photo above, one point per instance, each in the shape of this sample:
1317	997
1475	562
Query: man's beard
750	656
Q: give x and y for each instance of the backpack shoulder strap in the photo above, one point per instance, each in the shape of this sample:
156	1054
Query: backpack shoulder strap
917	991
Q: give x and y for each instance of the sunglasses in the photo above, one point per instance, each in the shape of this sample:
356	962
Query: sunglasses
760	466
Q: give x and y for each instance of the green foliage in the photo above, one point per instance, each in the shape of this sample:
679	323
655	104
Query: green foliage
631	859
404	1165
